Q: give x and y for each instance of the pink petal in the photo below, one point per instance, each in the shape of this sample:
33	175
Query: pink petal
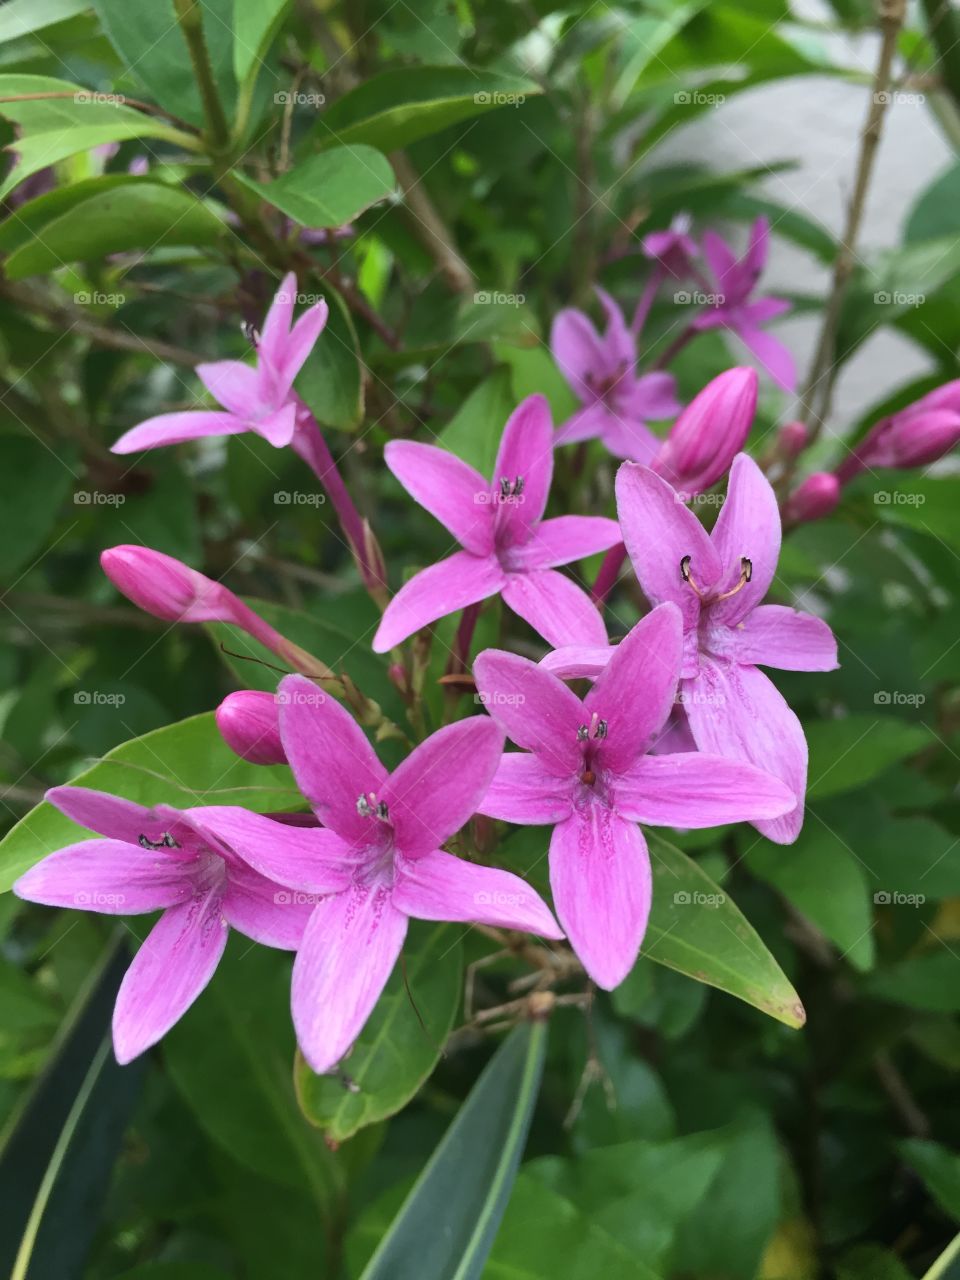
762	310
452	584
653	397
276	326
234	385
578	662
329	754
719	255
108	876
555	607
441	783
755	259
265	911
696	790
618	341
309	859
535	709
175	963
586	424
98	811
175	428
278	427
737	712
577	349
348	952
774	355
600	876
660	532
525	791
526	453
635	692
748	526
565	538
303	337
773	635
457	495
439	886
627	437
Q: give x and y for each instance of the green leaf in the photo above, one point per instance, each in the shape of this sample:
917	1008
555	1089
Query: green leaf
468	1180
934	213
255	23
24	17
331	382
929	981
473	433
57	1156
174	1271
928	504
401	1042
329	189
939	1168
696	929
34	481
396	107
847	753
183	764
230	1056
70	120
24	224
142	215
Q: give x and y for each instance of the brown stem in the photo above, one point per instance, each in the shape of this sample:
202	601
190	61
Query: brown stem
430	227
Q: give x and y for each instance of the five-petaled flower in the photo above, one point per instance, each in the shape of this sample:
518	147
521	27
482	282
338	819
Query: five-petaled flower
601	370
377	861
507	546
586	767
257	399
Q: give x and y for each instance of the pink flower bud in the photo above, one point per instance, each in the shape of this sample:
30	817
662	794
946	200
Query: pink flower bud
793	439
815	498
913	439
160	585
250	726
709	433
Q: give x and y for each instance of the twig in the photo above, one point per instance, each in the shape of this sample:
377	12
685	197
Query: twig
190	17
430	227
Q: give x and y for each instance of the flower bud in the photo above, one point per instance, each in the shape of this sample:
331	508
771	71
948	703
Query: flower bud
912	439
793	439
166	588
250	726
674	249
815	498
709	433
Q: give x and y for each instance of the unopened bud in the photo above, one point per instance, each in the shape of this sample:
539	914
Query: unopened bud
815	498
249	724
793	439
166	588
709	433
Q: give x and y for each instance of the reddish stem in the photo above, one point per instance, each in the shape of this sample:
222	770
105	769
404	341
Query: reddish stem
609	572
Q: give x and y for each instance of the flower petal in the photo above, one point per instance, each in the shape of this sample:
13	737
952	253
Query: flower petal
577	661
653	397
439	886
265	911
175	428
619	345
748	526
586	424
310	859
99	811
329	754
660	532
348	952
775	356
275	332
303	336
577	349
535	709
175	963
525	453
457	495
563	539
556	607
524	791
452	584
696	790
441	783
108	876
233	384
720	257
737	712
635	692
602	887
626	436
773	635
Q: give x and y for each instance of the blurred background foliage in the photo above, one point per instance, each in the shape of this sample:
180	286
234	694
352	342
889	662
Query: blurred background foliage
678	1133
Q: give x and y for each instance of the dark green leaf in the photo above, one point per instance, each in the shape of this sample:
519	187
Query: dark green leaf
329	189
34	480
331	381
940	1169
847	753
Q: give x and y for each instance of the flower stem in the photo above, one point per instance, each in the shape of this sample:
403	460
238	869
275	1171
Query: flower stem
608	574
190	18
646	300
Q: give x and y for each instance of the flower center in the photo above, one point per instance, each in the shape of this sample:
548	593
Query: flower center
368	806
746	573
164	841
588	735
509	490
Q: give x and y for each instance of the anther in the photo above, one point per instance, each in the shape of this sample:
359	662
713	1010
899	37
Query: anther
504	487
746	573
518	486
251	333
363	807
382	811
686	576
601	729
166	841
583	733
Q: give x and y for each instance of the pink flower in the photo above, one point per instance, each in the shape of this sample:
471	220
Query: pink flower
815	498
249	723
585	770
257	399
602	374
378	859
709	433
507	546
162	859
735	308
674	249
916	436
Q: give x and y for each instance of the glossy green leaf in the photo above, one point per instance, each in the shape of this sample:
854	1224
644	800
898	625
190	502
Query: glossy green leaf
926	503
696	929
847	753
142	215
401	1042
70	119
396	107
468	1180
183	764
474	431
255	23
939	1167
34	481
23	17
933	214
25	223
331	188
331	381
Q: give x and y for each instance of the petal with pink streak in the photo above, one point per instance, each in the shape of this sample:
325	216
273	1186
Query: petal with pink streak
563	539
452	584
588	423
348	952
720	257
453	492
619	346
536	709
578	662
265	911
627	437
439	886
303	335
234	385
602	888
308	859
275	332
577	349
748	527
110	877
774	635
695	790
525	453
525	791
176	428
555	607
775	356
653	397
108	815
439	786
737	712
277	428
331	758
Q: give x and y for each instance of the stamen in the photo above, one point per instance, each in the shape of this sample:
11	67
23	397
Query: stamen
583	733
251	333
166	841
383	813
504	487
686	576
377	809
746	573
363	807
518	486
601	729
